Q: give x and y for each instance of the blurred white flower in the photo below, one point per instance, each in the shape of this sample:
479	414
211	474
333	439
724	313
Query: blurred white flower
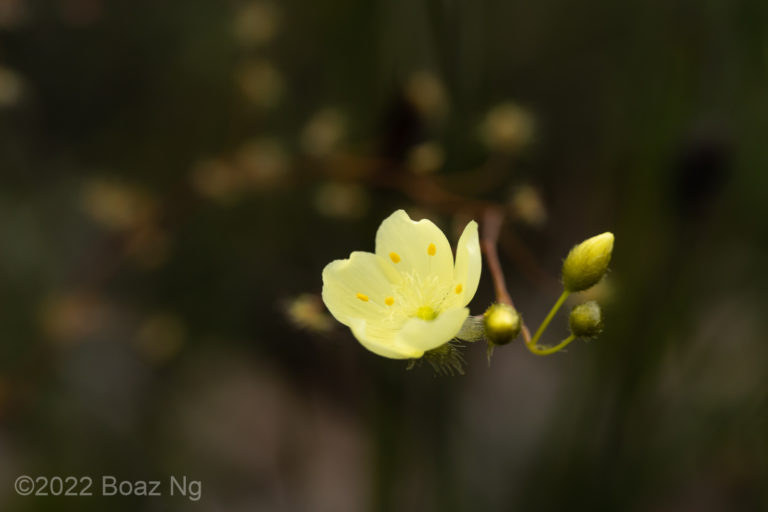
306	312
341	200
526	205
426	158
425	91
117	205
323	132
215	179
262	163
507	128
260	82
256	23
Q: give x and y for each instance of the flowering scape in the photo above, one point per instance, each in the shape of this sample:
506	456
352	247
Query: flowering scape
410	297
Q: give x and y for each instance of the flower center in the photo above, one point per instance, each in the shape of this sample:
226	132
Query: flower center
426	313
416	296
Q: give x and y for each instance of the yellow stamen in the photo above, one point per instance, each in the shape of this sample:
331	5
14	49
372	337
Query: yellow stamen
431	250
459	288
362	297
389	301
394	257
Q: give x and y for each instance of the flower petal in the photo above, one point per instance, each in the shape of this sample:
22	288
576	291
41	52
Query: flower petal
382	341
415	246
425	335
357	287
468	263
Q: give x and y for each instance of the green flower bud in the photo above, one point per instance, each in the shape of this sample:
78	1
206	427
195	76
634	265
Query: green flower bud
587	262
502	324
586	320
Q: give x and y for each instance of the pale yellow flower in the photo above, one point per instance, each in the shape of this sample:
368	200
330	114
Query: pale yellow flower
409	297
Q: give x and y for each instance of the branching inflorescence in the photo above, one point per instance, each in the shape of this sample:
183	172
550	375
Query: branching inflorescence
408	299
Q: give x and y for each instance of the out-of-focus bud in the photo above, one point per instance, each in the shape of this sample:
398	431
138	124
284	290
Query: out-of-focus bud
216	179
256	23
307	312
323	132
262	163
587	262
426	158
341	200
117	205
507	128
426	93
502	324
261	83
526	204
586	320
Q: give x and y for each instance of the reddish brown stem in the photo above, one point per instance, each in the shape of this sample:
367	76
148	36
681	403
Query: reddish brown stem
493	220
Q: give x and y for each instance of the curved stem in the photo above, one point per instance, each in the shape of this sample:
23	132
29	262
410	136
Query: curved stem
492	222
550	350
548	319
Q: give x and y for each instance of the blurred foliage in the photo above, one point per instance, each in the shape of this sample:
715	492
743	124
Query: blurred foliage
175	175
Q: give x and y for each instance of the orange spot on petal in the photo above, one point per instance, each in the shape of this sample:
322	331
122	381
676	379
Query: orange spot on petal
459	288
431	250
394	257
362	297
389	301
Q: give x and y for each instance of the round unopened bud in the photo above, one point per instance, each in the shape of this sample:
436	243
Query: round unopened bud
502	324
587	262
586	320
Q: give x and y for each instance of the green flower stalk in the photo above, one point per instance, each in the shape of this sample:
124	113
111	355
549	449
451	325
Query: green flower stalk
584	266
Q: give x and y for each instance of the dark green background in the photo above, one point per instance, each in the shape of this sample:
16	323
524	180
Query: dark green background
651	119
